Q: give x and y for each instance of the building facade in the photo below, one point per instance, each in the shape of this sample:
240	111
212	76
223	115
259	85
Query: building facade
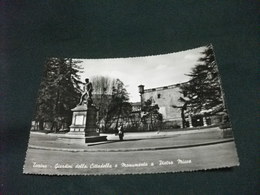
167	98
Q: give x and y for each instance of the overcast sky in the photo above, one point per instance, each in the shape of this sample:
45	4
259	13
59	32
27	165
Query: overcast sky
150	71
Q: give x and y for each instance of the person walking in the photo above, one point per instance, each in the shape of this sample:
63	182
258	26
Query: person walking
120	132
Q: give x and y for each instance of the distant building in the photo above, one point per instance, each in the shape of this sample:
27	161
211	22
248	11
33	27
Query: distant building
167	98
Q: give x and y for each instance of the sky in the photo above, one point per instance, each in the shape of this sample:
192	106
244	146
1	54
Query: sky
150	71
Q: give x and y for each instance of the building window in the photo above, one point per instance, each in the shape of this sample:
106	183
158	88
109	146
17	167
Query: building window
158	96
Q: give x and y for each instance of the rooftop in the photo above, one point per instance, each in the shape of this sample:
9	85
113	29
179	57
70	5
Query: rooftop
163	87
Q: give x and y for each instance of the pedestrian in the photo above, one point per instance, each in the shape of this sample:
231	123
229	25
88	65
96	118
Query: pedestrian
120	132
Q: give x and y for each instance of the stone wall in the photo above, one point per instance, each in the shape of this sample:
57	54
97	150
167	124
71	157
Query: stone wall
166	97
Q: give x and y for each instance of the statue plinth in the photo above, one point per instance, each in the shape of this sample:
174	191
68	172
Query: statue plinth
84	123
91	127
79	119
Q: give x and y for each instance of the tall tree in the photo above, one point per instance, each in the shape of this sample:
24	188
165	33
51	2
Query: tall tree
102	95
151	114
203	91
182	108
119	108
59	92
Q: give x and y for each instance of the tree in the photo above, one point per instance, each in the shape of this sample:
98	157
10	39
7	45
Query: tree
58	93
151	114
103	84
182	108
102	96
119	108
203	91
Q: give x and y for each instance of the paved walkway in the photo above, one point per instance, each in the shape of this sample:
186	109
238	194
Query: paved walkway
137	141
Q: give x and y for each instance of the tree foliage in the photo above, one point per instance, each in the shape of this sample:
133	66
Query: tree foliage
203	91
103	84
102	94
151	114
59	91
119	107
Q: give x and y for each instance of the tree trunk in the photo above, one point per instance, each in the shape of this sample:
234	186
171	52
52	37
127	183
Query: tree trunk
151	121
52	126
41	125
119	114
183	118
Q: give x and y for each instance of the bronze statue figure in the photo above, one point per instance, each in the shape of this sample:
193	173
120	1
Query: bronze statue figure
86	93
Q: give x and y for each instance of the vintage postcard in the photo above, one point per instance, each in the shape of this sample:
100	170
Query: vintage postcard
149	114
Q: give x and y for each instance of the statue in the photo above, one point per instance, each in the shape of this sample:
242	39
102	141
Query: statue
86	93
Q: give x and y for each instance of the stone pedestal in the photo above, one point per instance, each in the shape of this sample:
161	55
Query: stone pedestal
79	119
84	124
91	127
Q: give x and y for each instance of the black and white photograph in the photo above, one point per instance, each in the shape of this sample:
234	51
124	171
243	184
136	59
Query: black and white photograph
161	113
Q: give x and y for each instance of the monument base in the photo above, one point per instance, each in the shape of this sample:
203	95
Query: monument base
91	139
83	125
86	139
75	134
